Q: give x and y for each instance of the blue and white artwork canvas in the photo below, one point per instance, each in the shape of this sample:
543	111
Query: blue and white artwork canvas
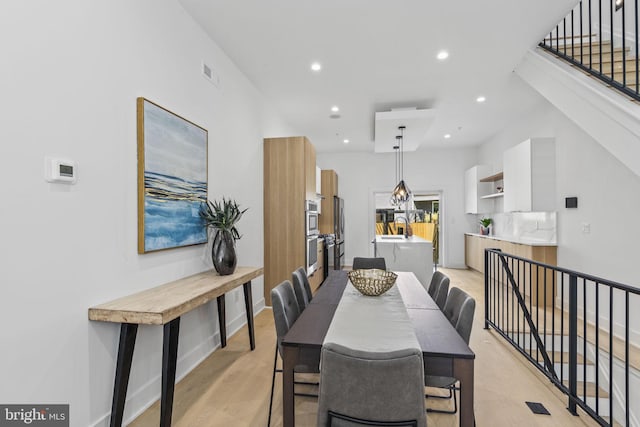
172	179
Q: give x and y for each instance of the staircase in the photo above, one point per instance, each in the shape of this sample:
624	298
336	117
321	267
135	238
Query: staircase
608	116
604	380
586	371
571	68
588	388
595	59
597	34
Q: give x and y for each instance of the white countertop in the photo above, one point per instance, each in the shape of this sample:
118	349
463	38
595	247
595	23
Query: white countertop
392	238
513	239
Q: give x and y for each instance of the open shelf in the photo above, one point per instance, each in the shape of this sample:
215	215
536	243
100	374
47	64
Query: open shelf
492	196
493	178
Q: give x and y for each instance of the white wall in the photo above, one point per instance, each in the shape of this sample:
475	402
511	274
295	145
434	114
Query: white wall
70	77
606	190
360	174
608	202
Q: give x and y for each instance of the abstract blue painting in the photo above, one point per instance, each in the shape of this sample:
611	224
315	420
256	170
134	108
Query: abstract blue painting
172	179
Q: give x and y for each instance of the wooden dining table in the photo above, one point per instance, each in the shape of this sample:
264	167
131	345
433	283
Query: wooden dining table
444	352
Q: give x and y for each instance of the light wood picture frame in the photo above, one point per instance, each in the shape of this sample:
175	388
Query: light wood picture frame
172	179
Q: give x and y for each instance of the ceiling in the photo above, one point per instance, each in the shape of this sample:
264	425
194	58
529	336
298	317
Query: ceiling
379	55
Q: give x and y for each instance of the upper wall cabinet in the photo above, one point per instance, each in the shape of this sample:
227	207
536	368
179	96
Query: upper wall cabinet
474	190
530	176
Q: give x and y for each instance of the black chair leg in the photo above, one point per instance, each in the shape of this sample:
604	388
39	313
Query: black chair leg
273	383
452	393
435	396
455	403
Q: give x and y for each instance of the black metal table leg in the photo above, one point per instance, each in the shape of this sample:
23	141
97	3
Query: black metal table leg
222	321
127	343
248	304
169	358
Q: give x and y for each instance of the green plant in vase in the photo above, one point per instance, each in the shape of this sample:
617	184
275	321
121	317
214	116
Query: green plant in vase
485	224
222	217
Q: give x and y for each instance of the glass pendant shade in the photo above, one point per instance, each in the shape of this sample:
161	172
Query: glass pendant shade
401	193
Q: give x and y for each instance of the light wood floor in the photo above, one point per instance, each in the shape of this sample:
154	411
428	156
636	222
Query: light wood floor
231	387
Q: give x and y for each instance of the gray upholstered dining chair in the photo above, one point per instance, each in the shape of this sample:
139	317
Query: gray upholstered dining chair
454	311
459	309
285	313
442	290
369	263
435	282
370	388
302	288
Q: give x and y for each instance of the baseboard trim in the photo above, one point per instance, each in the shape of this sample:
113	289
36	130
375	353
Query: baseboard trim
141	399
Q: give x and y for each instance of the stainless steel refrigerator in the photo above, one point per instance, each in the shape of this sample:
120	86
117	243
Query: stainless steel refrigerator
338	229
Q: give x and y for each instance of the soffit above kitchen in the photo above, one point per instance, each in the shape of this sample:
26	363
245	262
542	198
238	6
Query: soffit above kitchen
416	123
380	55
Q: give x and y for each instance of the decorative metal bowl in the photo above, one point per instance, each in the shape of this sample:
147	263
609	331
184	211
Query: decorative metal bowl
372	282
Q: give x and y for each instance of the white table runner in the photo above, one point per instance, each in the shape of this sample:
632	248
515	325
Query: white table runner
377	324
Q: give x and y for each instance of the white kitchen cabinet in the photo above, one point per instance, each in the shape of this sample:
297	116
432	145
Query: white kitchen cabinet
474	190
530	176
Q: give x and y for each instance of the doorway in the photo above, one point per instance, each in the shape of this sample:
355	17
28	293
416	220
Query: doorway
423	214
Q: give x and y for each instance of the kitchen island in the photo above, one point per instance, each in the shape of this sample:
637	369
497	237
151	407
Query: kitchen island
402	253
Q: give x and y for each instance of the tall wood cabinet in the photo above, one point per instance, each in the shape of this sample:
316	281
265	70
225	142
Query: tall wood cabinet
289	180
329	190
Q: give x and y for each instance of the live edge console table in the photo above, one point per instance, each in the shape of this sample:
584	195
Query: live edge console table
163	305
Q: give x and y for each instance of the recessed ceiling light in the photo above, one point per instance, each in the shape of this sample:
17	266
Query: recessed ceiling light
442	55
346	141
316	66
447	136
481	99
335	109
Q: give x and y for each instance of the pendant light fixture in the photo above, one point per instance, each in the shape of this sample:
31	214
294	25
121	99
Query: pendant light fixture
401	193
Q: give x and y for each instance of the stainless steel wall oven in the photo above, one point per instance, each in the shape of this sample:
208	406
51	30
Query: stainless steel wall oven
312	231
312	254
311	214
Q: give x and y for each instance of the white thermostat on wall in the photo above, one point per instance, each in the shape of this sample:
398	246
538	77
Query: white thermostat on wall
59	170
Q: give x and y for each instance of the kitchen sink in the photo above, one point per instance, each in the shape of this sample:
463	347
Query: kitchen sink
392	237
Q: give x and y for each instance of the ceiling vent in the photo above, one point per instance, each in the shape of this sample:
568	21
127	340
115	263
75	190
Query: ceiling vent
417	122
210	75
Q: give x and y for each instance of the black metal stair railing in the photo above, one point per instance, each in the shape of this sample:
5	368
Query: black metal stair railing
574	327
598	25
